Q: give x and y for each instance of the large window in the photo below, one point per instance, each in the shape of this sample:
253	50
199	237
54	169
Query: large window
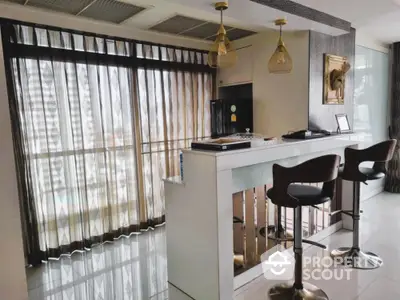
173	111
98	124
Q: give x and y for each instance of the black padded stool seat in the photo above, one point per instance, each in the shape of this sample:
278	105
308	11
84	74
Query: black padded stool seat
369	172
305	195
286	192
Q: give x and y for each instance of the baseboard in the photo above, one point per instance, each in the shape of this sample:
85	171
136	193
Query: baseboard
372	193
257	271
322	234
175	293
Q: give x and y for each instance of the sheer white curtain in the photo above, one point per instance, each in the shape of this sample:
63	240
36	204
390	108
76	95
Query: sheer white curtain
173	112
174	109
81	145
100	123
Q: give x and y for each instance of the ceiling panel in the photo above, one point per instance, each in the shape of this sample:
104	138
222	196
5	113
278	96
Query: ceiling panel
196	28
234	34
111	11
17	1
65	6
177	24
237	33
204	31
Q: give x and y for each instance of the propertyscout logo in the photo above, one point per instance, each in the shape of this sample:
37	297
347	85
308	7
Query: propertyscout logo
325	268
278	264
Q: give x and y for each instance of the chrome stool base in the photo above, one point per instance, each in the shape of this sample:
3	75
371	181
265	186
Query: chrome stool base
288	292
357	259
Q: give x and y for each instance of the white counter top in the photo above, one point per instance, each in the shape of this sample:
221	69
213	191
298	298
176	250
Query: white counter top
281	150
174	180
277	144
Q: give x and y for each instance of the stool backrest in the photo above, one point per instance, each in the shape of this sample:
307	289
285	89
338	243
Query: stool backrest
380	154
321	169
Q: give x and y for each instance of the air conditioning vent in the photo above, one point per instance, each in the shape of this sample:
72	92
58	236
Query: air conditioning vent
104	10
196	28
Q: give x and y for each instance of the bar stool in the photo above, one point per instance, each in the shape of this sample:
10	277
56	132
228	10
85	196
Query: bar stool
286	193
351	171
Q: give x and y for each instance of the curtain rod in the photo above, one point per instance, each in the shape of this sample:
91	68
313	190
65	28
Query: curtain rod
4	21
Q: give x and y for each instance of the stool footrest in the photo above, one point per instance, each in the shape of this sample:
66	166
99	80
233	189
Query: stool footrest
335	212
314	244
237	220
270	233
279	239
346	212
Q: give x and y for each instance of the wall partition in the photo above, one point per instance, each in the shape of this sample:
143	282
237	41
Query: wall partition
371	102
321	115
393	177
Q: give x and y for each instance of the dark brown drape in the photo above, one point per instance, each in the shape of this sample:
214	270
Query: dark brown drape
29	223
393	176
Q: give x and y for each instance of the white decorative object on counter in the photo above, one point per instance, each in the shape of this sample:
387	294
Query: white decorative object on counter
255	139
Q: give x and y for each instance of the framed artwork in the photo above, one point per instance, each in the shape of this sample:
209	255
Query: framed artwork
343	123
335	70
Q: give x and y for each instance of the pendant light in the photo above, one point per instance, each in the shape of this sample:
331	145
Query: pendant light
280	62
222	53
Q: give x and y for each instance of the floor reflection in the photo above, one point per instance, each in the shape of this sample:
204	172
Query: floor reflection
135	268
132	268
256	224
129	268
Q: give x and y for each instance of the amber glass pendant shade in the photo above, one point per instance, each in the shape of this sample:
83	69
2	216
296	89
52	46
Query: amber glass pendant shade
280	61
222	54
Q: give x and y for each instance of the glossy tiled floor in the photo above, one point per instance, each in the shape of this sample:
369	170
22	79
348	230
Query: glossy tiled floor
130	268
379	230
135	267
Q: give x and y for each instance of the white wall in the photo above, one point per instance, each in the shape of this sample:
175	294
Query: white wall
371	104
12	273
365	40
280	101
372	96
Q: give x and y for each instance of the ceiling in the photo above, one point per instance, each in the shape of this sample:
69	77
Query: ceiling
253	15
242	18
358	12
124	13
379	19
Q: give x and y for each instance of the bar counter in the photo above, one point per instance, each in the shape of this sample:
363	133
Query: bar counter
199	209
